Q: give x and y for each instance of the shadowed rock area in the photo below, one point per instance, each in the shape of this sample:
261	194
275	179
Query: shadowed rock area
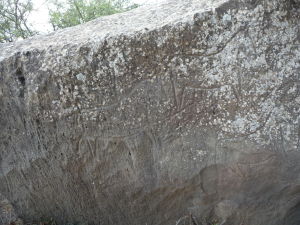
145	117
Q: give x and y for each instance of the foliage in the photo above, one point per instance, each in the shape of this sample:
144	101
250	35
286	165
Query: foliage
13	20
75	12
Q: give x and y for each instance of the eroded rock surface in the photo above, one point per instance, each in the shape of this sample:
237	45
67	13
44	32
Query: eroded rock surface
187	107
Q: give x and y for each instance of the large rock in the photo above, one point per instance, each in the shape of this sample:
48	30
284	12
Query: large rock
145	117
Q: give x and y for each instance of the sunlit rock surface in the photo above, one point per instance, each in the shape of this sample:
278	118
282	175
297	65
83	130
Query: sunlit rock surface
147	117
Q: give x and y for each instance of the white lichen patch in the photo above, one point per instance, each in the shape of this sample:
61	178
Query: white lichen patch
81	77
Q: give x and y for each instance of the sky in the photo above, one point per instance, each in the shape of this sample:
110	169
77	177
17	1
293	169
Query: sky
39	17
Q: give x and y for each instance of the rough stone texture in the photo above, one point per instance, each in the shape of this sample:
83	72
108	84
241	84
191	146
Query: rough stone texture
150	115
7	213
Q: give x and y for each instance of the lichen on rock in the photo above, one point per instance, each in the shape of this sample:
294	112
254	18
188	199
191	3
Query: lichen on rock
178	108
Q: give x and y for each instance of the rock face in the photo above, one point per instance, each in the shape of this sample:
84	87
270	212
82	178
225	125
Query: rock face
187	107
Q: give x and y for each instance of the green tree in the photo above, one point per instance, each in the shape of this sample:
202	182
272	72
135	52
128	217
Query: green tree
75	12
14	20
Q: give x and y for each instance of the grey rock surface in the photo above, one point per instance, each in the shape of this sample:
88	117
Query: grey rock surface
179	108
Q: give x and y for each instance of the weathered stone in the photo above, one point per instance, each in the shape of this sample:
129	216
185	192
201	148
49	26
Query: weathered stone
7	213
187	107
